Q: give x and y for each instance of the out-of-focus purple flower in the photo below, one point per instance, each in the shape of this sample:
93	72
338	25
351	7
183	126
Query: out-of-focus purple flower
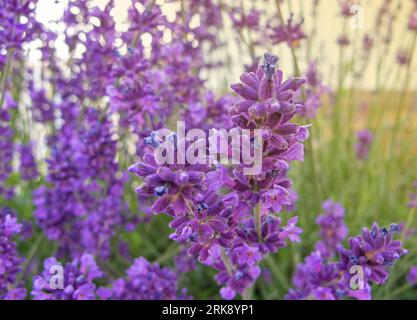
413	197
227	293
314	91
412	20
291	33
412	276
365	139
18	26
343	40
315	278
367	44
83	203
184	262
42	107
242	20
346	7
28	168
332	228
7	145
10	262
77	282
144	281
403	57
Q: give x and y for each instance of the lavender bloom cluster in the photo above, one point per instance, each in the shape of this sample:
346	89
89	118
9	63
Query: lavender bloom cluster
77	281
144	281
10	261
7	146
333	229
99	109
290	33
28	167
314	91
372	253
222	229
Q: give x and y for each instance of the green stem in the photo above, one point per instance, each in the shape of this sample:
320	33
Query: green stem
258	221
5	75
401	103
35	247
227	262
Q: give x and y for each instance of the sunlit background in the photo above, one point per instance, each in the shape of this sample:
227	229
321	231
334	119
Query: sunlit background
327	29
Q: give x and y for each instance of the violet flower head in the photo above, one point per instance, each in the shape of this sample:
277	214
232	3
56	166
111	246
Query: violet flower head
144	281
316	279
365	139
375	251
174	185
291	33
332	228
77	282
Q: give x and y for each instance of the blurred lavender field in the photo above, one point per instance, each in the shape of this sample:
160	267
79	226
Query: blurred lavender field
91	90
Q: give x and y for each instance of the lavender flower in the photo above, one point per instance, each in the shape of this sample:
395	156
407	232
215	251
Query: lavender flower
10	262
28	168
314	91
18	26
374	251
84	201
220	229
7	145
315	277
144	281
332	228
291	33
173	185
365	139
412	276
78	280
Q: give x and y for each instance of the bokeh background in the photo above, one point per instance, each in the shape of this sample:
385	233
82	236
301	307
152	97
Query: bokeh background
368	89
